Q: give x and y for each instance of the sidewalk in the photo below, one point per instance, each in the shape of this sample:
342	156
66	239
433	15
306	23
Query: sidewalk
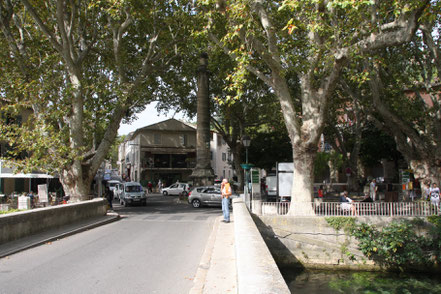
217	269
55	234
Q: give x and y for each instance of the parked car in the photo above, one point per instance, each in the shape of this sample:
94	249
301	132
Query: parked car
133	193
176	189
206	195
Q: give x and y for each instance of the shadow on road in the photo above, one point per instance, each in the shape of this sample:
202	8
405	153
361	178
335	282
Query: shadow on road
158	204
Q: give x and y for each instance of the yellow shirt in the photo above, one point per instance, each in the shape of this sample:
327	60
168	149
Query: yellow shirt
226	190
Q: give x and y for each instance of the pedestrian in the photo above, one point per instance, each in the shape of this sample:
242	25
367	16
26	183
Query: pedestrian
320	192
434	195
150	187
31	197
347	203
226	194
373	189
109	196
159	186
426	191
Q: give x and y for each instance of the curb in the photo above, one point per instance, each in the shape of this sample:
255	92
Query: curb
204	265
115	217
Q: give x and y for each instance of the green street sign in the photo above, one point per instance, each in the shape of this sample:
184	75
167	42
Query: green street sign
255	179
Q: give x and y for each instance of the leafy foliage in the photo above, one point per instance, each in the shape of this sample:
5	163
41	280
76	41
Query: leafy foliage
338	223
369	283
398	245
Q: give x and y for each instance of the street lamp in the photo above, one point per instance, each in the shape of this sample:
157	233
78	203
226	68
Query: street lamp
246	141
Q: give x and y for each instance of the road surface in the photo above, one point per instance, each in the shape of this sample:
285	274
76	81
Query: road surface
153	249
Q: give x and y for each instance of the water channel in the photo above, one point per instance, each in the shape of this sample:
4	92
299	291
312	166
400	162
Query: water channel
324	282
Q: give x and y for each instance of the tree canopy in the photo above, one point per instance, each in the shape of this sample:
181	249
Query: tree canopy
82	67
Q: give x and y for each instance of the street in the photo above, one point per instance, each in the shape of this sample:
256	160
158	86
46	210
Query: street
153	249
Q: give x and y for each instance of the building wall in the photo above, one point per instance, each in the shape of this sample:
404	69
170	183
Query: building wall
168	139
221	157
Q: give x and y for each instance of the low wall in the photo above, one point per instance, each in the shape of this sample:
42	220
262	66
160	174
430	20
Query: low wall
309	242
257	271
24	223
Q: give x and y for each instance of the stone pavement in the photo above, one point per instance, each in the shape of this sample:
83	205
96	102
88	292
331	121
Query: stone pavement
217	269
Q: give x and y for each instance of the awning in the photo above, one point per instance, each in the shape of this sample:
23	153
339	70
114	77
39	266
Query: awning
27	176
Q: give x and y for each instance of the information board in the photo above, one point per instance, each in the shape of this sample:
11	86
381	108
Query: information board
43	193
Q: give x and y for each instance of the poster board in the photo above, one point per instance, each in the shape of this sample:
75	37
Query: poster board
43	193
285	172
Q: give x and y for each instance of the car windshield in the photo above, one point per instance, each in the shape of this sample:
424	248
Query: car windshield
133	189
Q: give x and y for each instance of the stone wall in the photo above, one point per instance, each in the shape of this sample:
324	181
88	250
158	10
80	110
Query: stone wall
24	223
311	243
257	271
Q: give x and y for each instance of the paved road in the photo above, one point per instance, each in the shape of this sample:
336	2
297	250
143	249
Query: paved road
153	249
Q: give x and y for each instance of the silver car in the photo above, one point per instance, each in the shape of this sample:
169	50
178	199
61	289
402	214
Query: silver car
133	193
176	189
206	195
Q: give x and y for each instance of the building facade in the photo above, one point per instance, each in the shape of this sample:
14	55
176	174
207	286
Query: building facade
166	152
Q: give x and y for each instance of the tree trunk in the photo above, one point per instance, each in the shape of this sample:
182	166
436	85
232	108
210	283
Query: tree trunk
426	170
77	188
302	185
237	159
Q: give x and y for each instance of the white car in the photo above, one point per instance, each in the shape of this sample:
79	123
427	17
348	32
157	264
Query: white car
118	190
176	189
112	185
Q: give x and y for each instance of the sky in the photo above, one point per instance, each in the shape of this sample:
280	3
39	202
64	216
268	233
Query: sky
147	117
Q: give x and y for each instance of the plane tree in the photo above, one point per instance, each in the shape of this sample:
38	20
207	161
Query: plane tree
311	42
82	67
405	91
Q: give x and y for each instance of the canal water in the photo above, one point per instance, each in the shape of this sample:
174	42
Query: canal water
324	282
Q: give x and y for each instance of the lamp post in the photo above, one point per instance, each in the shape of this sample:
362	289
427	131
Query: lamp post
246	141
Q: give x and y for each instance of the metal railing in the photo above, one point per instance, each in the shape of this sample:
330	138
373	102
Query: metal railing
406	209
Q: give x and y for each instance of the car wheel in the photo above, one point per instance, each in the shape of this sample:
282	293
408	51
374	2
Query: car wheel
165	193
196	203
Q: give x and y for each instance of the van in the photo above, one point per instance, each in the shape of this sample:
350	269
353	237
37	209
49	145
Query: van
132	193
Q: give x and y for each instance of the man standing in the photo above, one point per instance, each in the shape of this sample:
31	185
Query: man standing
434	195
373	189
226	193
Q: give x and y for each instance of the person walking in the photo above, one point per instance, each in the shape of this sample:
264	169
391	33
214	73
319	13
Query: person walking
226	194
109	196
373	189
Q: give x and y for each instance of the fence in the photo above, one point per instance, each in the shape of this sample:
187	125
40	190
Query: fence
409	209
